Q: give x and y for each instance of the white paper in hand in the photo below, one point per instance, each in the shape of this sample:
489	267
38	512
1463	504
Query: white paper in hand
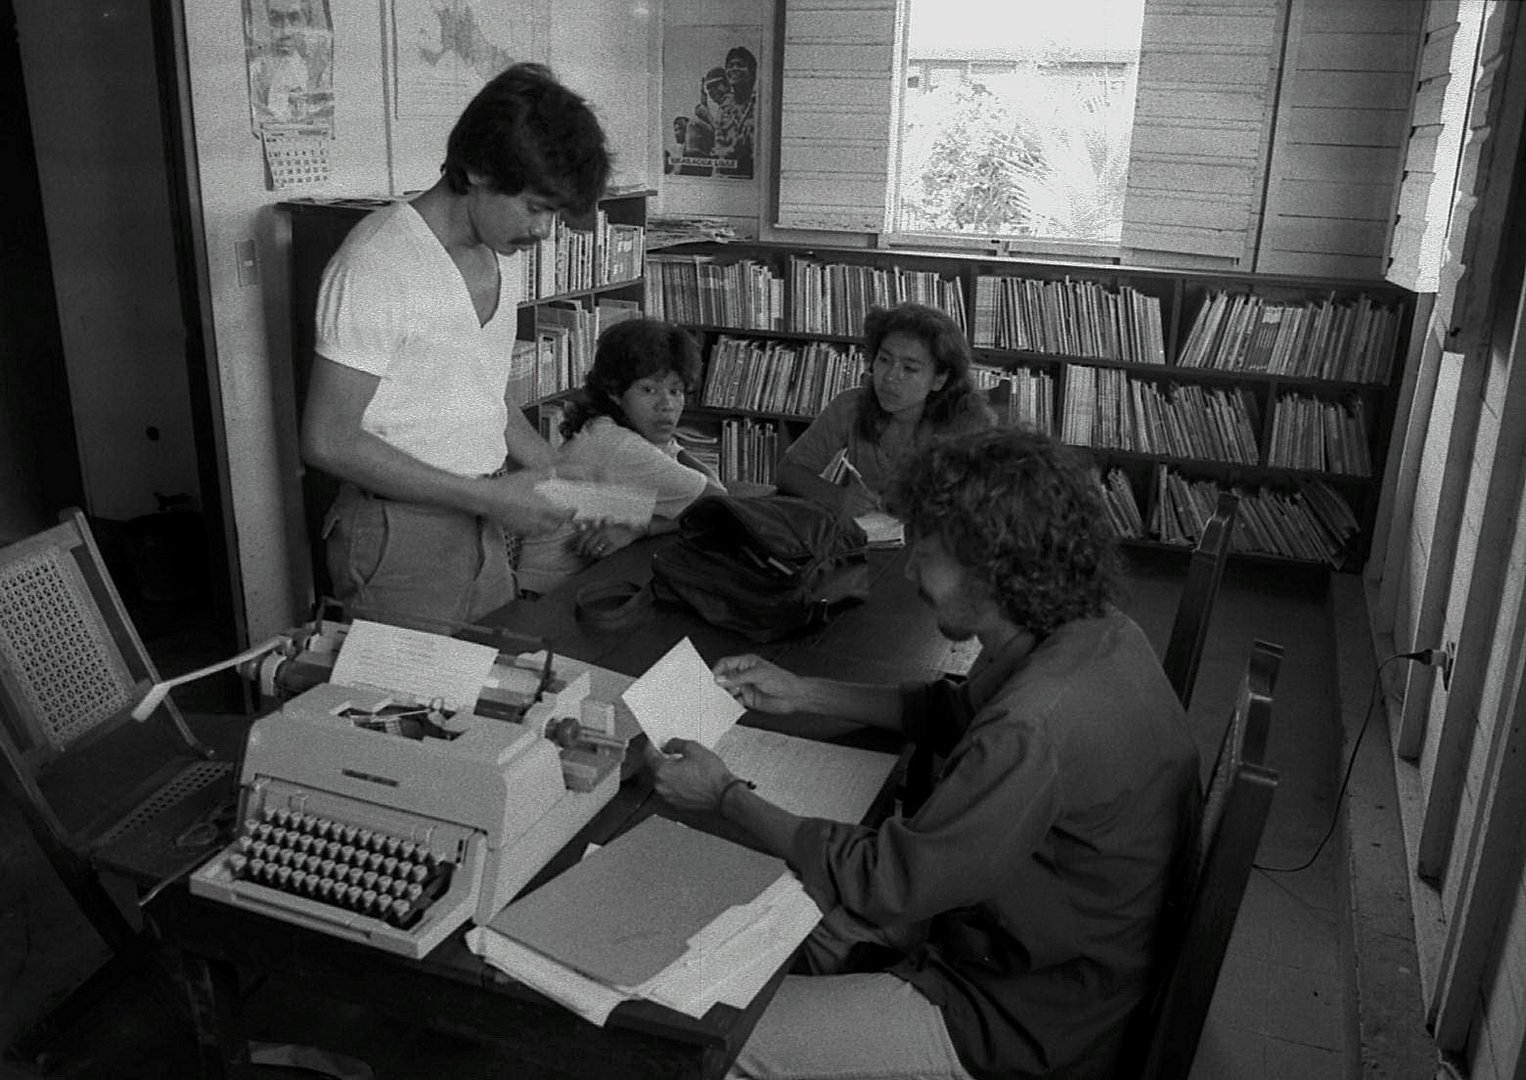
590	501
677	699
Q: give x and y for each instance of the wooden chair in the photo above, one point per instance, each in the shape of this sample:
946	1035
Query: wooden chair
101	793
1235	807
1189	630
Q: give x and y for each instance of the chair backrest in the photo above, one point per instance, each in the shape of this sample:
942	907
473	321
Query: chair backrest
1235	807
1189	630
71	668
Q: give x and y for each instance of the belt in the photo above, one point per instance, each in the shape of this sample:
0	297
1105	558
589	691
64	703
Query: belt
612	605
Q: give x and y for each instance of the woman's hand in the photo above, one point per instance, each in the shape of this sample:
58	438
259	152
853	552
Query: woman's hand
759	684
601	539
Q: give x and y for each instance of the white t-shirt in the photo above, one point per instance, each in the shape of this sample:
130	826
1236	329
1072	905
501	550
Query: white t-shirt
393	304
613	455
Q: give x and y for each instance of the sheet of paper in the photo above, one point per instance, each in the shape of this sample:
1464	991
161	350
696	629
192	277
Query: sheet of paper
408	662
737	953
590	501
806	777
677	699
882	529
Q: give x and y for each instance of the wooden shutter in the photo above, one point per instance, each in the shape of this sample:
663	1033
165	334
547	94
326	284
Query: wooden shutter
1202	120
840	105
1342	125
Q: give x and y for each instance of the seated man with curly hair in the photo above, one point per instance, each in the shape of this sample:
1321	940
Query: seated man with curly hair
1013	916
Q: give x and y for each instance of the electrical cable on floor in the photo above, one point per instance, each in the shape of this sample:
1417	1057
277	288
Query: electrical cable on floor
1424	656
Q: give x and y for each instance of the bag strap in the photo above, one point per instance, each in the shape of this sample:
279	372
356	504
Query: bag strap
611	605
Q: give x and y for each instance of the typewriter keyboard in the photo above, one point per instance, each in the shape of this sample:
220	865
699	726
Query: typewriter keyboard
356	869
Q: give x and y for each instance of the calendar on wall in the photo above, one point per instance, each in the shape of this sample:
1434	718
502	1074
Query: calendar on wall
296	158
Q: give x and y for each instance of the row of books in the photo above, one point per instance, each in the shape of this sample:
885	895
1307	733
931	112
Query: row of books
1105	408
773	377
833	298
1349	340
745	452
697	290
1072	318
558	358
571	260
1022	397
1326	436
749	451
1311	522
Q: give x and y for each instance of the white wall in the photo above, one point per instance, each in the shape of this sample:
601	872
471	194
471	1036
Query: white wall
601	48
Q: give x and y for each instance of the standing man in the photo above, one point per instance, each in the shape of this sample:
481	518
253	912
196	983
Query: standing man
417	316
1016	912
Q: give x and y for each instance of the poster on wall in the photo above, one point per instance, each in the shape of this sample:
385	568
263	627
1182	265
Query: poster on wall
445	50
710	90
289	50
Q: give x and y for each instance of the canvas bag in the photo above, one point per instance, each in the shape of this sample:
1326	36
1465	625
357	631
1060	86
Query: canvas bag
764	567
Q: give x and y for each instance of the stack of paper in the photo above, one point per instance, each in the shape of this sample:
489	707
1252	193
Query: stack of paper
668	913
664	912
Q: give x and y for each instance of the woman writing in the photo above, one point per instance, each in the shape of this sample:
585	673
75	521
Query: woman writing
619	429
919	388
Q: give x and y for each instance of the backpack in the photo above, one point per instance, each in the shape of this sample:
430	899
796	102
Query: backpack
765	566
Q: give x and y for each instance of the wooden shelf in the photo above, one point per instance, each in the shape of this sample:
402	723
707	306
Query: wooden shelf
1181	296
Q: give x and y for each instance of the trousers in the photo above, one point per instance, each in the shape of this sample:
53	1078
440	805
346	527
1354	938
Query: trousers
410	564
829	1026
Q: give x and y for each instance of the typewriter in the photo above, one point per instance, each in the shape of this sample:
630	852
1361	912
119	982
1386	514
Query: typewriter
391	821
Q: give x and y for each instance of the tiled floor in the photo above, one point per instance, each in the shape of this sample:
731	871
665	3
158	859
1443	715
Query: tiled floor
1281	1007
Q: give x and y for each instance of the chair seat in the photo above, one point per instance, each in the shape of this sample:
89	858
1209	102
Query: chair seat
178	826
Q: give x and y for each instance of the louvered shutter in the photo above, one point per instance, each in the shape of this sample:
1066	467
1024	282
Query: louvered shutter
840	105
1202	123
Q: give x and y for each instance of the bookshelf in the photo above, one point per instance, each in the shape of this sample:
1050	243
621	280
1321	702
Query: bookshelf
1178	383
588	273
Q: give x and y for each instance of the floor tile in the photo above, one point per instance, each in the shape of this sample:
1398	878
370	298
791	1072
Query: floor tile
1295	1061
1305	1007
1229	1054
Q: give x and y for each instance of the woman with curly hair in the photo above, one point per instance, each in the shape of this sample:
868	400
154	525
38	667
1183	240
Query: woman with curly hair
919	387
619	430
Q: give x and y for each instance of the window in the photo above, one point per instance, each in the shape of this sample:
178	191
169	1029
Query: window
1191	118
1016	119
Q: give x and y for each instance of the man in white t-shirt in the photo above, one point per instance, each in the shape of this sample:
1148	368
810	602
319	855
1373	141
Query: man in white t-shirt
417	314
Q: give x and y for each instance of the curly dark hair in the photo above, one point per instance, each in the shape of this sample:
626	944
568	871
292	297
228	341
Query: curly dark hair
1020	511
526	131
951	355
629	350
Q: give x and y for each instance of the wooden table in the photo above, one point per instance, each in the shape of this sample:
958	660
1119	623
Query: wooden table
890	637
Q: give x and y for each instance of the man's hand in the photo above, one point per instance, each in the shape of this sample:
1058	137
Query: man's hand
519	508
688	776
760	685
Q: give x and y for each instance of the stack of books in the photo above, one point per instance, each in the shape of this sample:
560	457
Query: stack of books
1070	318
1320	435
833	298
1350	340
1311	521
775	377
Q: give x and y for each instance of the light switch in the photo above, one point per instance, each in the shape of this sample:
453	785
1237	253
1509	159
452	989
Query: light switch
248	265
